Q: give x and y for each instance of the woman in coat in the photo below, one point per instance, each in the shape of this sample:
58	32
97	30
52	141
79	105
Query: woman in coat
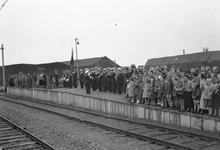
131	90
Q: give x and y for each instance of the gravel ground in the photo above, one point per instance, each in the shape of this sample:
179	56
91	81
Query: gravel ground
66	134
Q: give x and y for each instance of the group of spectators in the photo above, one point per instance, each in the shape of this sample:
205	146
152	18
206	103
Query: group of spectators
38	80
196	90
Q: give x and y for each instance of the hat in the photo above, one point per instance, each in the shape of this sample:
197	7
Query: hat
133	66
173	66
215	69
187	75
195	74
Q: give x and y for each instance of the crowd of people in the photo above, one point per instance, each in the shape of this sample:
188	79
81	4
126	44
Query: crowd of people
196	90
39	80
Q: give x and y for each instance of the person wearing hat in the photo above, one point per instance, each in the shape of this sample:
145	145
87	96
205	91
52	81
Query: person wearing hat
56	78
87	81
119	81
113	81
81	78
104	80
69	79
100	80
94	79
215	76
75	78
108	81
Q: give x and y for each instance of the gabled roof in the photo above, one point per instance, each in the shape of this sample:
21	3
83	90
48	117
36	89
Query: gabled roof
85	62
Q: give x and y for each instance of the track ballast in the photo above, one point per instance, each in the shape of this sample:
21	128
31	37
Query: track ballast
164	137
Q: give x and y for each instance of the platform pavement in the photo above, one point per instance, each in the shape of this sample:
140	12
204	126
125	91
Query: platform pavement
105	95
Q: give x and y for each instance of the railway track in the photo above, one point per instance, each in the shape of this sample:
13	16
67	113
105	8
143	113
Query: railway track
13	137
166	138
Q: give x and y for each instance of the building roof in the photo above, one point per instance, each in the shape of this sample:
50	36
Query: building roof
211	58
93	62
85	62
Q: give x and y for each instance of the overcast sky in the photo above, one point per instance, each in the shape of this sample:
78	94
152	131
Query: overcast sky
128	31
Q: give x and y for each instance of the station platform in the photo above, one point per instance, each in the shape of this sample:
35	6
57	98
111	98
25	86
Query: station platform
117	105
97	94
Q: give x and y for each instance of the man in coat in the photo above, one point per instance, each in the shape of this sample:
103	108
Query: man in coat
119	81
75	78
81	78
87	82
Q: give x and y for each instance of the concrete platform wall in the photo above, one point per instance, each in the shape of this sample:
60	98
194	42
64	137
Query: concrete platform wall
121	109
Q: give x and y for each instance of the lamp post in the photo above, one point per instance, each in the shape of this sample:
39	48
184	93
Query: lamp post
3	67
77	60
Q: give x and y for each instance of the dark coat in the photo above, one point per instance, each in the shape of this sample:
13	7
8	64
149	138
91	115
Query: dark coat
87	79
81	76
74	75
120	78
216	99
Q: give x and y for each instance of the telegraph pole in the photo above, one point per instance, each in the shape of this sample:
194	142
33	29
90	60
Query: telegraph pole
3	67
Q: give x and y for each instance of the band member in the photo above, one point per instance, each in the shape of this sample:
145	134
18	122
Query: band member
69	79
75	78
93	81
87	81
120	81
104	81
113	81
108	81
81	78
99	80
56	78
63	79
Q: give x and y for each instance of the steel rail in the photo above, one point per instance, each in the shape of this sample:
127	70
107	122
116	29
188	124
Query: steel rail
176	131
131	134
28	134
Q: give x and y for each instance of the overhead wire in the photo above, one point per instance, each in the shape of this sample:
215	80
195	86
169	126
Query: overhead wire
4	3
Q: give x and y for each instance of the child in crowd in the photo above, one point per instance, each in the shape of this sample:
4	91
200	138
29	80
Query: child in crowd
161	92
196	94
206	94
179	88
174	93
187	95
146	92
202	83
153	92
168	92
